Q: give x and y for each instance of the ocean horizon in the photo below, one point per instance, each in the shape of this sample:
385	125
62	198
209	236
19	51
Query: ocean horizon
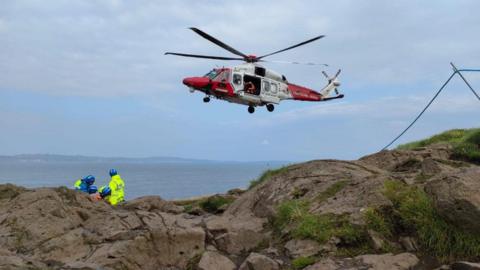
169	178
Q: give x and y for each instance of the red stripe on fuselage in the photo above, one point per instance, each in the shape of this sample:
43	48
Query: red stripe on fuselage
303	93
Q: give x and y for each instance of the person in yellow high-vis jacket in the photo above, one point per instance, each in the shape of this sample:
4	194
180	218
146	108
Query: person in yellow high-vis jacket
116	187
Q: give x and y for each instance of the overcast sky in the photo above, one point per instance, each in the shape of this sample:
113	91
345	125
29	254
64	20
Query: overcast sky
90	77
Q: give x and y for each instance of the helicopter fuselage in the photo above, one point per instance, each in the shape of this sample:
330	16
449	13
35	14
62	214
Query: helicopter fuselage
253	85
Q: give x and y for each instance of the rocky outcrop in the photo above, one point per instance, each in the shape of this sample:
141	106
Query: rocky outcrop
58	228
457	197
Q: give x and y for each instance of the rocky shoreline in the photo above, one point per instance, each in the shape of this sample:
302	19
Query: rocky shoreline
372	213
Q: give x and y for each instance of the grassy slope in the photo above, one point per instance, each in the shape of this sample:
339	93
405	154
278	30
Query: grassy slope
465	143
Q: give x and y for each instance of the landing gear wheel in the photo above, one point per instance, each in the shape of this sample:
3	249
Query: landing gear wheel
206	99
251	109
270	107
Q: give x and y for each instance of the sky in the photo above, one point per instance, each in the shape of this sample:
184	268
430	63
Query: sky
91	77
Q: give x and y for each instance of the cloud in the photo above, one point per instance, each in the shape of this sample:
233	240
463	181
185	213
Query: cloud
116	47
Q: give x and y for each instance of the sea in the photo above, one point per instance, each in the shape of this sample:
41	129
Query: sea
169	180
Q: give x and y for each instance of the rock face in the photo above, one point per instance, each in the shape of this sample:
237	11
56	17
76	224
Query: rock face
55	227
58	228
457	197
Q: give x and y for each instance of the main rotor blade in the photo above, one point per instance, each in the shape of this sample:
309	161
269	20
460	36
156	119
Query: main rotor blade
204	56
217	42
294	63
338	73
291	47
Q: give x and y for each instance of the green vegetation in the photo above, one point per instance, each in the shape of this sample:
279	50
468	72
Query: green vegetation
422	178
412	213
465	142
294	216
332	190
302	262
212	204
8	191
267	175
450	136
376	221
193	261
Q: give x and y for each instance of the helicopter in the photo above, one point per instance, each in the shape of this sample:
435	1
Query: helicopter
252	84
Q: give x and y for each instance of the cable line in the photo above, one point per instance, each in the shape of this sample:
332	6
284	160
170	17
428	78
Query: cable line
434	97
466	82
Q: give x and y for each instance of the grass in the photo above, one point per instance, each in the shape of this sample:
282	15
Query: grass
412	213
267	175
332	190
450	136
465	142
214	203
302	262
193	261
9	191
211	204
293	216
376	221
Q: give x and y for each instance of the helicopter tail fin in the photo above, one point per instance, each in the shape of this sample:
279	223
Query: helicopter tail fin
332	85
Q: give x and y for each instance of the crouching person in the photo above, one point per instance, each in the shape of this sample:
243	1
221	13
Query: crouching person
116	189
85	183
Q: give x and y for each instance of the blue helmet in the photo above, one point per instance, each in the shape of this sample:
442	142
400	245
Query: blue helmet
113	172
92	189
89	179
105	191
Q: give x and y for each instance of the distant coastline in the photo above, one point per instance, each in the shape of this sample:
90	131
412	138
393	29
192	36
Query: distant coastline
46	158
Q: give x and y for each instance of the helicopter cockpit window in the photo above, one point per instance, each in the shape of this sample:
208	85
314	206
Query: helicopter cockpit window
237	79
222	76
212	74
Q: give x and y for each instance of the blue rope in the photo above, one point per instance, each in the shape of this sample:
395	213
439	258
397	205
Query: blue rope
421	113
466	82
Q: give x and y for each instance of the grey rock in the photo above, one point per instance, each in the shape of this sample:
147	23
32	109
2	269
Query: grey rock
302	248
456	197
256	261
212	261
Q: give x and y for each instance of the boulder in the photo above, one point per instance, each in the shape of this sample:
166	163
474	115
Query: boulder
302	248
235	236
324	264
456	197
388	261
256	261
213	260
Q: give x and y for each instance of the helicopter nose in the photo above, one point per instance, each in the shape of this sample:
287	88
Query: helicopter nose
196	82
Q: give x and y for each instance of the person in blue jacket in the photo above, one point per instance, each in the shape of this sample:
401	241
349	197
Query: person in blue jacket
85	183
